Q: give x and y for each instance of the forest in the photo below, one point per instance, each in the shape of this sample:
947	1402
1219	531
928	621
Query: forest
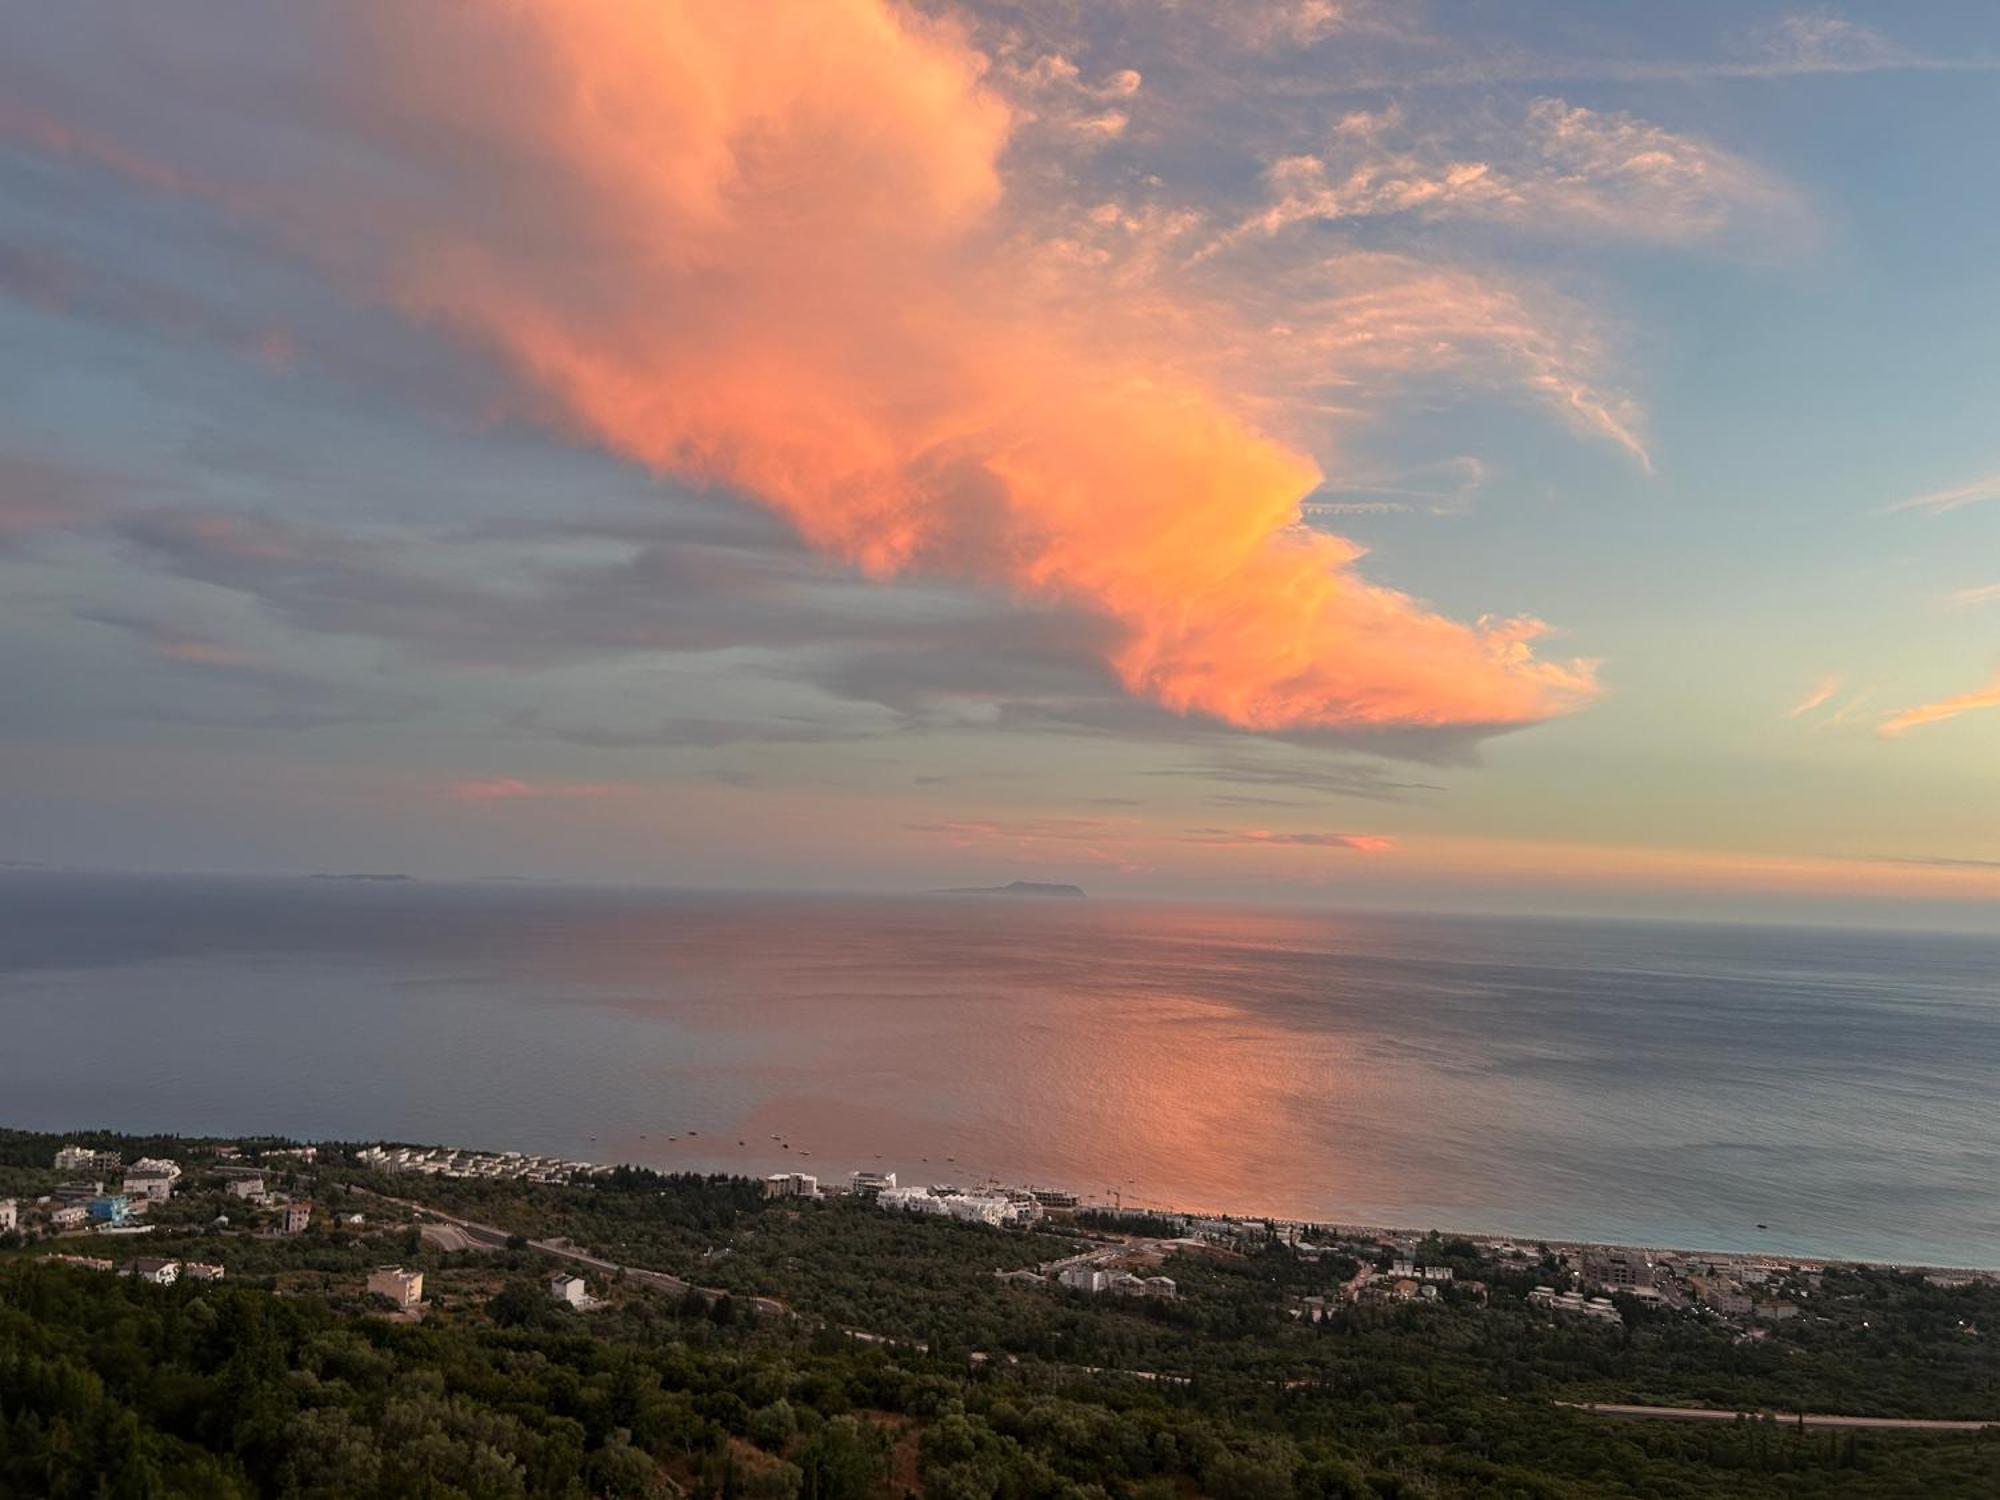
285	1379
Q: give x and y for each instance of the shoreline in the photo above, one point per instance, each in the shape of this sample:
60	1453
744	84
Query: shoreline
1342	1228
1354	1230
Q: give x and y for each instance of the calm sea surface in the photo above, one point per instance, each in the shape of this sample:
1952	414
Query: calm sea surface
1670	1085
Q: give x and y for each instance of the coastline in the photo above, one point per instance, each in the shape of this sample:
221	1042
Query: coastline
1347	1229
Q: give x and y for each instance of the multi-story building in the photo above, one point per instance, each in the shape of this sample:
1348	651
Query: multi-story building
113	1208
974	1208
404	1288
10	1215
84	1159
1576	1304
297	1217
1089	1278
572	1290
69	1216
148	1186
867	1182
159	1272
1620	1270
791	1185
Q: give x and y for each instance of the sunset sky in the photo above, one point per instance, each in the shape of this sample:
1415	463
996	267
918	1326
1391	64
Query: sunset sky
1535	457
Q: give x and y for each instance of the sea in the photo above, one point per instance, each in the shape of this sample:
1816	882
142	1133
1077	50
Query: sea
1818	1092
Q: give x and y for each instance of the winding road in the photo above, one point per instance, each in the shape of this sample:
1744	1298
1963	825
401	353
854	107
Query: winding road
494	1238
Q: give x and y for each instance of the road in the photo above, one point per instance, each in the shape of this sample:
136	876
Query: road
495	1239
1789	1418
492	1238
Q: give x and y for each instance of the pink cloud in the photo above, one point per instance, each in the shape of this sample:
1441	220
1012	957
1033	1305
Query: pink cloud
1897	725
1819	695
771	249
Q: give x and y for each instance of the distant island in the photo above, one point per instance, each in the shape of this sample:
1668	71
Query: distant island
363	875
1042	889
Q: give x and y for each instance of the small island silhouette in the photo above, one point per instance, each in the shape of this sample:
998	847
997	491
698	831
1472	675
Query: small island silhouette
1043	889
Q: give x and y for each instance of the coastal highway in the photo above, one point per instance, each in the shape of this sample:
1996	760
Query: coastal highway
1788	1418
496	1239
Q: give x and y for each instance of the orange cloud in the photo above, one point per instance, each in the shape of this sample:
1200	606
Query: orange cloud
771	248
766	247
1822	692
1900	724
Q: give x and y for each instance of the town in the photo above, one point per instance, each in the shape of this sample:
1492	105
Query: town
817	1294
102	1213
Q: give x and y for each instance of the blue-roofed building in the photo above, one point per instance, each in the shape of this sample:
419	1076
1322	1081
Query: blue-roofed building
113	1208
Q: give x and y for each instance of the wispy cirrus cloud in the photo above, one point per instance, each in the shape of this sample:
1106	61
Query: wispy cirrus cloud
1256	838
1972	598
1899	724
1817	696
1952	497
1564	170
1941	862
1361	779
1803	44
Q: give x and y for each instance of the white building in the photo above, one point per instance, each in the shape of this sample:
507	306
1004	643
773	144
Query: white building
155	1166
70	1216
10	1215
864	1181
147	1186
974	1208
1576	1304
246	1187
791	1185
571	1290
201	1270
159	1272
1084	1277
298	1217
404	1288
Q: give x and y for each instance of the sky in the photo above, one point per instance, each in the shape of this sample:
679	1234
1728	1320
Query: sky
1532	457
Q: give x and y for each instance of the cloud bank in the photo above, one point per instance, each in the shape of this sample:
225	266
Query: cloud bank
767	248
774	250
